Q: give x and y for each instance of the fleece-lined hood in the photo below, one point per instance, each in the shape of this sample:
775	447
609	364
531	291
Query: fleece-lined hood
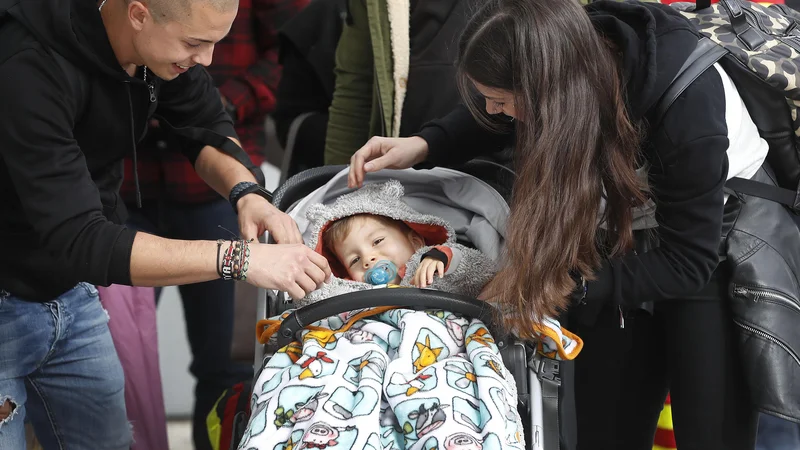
380	199
655	41
74	29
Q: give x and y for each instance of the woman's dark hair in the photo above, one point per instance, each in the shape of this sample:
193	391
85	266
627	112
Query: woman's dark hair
575	143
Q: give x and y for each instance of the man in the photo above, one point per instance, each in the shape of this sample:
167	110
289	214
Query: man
78	82
178	204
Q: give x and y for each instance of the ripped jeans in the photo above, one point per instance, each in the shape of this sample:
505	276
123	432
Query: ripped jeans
60	370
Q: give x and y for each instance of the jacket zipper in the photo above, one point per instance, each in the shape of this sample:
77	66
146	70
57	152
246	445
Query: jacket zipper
769	338
766	295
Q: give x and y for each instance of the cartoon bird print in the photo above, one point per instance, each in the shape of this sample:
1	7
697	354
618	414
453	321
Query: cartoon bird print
467	376
325	338
293	351
495	366
312	367
416	384
481	336
427	355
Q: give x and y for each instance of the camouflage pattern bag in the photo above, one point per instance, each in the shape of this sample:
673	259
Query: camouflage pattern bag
759	48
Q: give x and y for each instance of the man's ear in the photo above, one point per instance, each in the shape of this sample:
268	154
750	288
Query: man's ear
416	240
138	14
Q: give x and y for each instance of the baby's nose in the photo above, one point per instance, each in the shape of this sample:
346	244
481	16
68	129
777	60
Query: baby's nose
368	262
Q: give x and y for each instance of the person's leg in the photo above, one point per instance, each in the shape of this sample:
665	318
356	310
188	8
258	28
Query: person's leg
75	397
26	335
620	382
208	308
711	408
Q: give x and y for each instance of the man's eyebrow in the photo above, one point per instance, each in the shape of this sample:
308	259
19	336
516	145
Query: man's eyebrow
208	41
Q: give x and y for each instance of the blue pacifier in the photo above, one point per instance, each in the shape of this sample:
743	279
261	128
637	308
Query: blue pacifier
383	272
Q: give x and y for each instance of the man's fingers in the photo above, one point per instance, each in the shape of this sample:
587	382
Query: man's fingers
306	283
295	291
316	274
320	262
293	235
249	230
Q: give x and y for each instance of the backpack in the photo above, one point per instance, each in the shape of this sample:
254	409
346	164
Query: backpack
228	418
759	48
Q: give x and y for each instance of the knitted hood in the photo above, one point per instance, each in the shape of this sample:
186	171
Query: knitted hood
380	199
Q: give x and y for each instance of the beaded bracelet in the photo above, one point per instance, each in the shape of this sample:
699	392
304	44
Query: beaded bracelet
235	261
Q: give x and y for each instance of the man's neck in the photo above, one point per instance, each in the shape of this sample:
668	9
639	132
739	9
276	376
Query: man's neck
119	35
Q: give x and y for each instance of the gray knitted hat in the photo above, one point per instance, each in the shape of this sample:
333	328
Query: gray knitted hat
380	199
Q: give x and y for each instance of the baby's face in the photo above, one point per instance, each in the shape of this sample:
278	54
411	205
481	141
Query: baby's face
371	241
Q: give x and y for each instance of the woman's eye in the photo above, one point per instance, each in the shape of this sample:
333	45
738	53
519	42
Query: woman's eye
499	105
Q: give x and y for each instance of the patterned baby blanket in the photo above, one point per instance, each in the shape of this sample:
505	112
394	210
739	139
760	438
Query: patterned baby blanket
386	378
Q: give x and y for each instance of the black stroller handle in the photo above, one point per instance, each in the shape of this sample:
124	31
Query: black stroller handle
400	297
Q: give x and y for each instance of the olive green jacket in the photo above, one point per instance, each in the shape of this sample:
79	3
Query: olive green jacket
364	98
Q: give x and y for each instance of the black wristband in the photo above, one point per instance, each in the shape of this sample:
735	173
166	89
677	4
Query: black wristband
244	188
436	254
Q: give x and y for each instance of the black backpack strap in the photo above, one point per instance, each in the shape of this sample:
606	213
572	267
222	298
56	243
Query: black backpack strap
786	197
705	55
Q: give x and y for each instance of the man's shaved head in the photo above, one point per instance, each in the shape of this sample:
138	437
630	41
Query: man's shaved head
167	10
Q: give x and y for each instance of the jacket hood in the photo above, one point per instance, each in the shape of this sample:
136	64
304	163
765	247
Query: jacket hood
73	28
654	39
380	199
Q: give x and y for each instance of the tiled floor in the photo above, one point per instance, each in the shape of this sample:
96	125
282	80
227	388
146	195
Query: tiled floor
180	435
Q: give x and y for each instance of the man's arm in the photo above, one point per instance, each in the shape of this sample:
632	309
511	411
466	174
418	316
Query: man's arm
62	203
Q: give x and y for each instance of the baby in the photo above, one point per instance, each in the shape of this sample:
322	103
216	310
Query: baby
371	237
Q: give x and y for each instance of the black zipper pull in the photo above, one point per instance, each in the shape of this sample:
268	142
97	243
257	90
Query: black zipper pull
150	86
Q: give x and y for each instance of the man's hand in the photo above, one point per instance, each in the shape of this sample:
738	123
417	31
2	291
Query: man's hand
294	269
426	271
257	216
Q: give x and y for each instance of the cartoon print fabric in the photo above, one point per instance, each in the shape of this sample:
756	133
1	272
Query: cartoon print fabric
402	379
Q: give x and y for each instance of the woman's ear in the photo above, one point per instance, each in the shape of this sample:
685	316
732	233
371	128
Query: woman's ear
416	240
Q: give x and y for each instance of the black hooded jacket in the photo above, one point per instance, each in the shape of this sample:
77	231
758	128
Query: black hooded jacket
686	156
69	115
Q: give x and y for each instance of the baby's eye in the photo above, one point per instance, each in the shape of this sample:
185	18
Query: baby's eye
354	260
377	241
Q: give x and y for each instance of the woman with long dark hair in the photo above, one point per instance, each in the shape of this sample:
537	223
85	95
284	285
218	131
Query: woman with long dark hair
613	221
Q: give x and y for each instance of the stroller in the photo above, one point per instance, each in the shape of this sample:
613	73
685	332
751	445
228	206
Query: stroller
545	401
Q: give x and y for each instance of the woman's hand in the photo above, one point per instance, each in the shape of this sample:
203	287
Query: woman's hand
426	271
385	153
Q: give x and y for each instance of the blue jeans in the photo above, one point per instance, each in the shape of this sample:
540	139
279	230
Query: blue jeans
207	307
60	371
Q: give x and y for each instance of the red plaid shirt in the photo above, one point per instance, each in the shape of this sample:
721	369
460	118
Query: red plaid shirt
247	72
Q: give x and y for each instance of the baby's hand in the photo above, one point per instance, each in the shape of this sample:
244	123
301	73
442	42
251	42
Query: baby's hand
427	269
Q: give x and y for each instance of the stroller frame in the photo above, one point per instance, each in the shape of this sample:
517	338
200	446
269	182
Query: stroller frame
541	392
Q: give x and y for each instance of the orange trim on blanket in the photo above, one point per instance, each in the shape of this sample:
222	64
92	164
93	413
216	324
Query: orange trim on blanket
542	330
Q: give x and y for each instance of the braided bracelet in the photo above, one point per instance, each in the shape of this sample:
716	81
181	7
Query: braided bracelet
236	260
